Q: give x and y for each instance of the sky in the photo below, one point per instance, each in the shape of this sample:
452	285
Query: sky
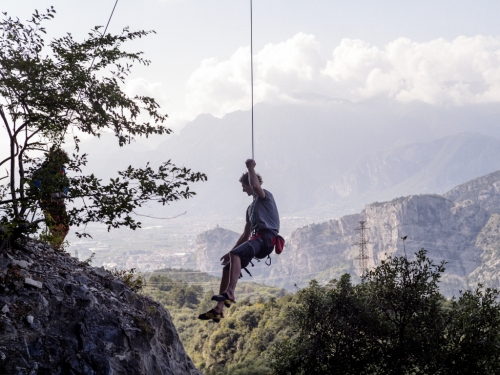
438	52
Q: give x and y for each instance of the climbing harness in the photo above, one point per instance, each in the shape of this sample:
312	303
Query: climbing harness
277	242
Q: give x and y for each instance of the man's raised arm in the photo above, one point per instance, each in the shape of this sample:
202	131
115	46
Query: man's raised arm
253	179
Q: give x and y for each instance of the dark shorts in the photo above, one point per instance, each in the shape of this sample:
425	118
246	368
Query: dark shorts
258	248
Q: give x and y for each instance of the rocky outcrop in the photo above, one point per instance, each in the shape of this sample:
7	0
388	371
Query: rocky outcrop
61	316
448	230
462	227
484	191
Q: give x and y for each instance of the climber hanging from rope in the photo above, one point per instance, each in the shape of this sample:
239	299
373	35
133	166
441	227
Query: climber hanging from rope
262	224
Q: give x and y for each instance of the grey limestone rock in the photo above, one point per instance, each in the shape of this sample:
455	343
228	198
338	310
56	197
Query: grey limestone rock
36	284
74	322
461	227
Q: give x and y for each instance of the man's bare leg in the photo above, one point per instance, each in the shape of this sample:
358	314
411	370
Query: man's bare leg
223	286
234	274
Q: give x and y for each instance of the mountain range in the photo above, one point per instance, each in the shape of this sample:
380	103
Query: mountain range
320	160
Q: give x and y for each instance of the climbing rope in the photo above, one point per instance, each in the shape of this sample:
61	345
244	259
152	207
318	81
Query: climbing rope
251	69
251	88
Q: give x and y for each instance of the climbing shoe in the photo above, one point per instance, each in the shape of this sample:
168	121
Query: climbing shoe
223	297
213	315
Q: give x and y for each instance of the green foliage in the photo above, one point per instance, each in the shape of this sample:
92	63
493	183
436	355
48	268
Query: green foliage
129	277
238	344
49	90
394	322
173	293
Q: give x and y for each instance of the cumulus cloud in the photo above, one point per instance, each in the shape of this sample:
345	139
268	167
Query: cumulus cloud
435	72
143	87
219	87
464	70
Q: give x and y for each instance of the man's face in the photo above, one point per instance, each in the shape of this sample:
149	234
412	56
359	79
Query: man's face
247	188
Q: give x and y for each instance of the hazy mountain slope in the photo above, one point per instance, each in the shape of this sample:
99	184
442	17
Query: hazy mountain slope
418	168
312	155
484	190
427	167
462	228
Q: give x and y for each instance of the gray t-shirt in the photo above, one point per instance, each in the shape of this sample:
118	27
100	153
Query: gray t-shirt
265	214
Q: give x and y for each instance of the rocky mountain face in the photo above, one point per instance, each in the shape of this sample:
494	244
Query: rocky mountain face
484	191
462	227
61	316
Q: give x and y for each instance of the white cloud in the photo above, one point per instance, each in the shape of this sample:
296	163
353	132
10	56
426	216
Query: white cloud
220	87
435	72
465	70
141	86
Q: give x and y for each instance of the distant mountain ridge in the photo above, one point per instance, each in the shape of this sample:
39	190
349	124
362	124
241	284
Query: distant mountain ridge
461	227
325	160
427	167
418	168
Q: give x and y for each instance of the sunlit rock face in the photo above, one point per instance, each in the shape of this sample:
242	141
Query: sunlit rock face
461	227
486	192
60	316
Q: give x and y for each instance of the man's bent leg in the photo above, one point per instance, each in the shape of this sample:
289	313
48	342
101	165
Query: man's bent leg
223	286
234	274
239	258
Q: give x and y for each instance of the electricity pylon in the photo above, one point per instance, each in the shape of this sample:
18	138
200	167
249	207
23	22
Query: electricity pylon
363	253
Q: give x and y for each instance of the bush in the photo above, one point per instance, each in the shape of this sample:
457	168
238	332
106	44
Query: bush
394	322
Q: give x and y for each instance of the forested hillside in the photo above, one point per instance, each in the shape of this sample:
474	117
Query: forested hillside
394	322
238	344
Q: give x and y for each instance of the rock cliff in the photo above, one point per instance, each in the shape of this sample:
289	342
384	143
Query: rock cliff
61	316
462	227
484	191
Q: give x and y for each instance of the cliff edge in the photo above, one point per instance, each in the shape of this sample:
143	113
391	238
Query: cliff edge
61	316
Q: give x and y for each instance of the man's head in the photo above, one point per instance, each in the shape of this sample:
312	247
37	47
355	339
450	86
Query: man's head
245	183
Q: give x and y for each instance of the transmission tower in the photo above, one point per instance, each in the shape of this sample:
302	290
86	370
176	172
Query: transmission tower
363	254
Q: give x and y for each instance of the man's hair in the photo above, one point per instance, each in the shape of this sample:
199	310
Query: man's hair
244	179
